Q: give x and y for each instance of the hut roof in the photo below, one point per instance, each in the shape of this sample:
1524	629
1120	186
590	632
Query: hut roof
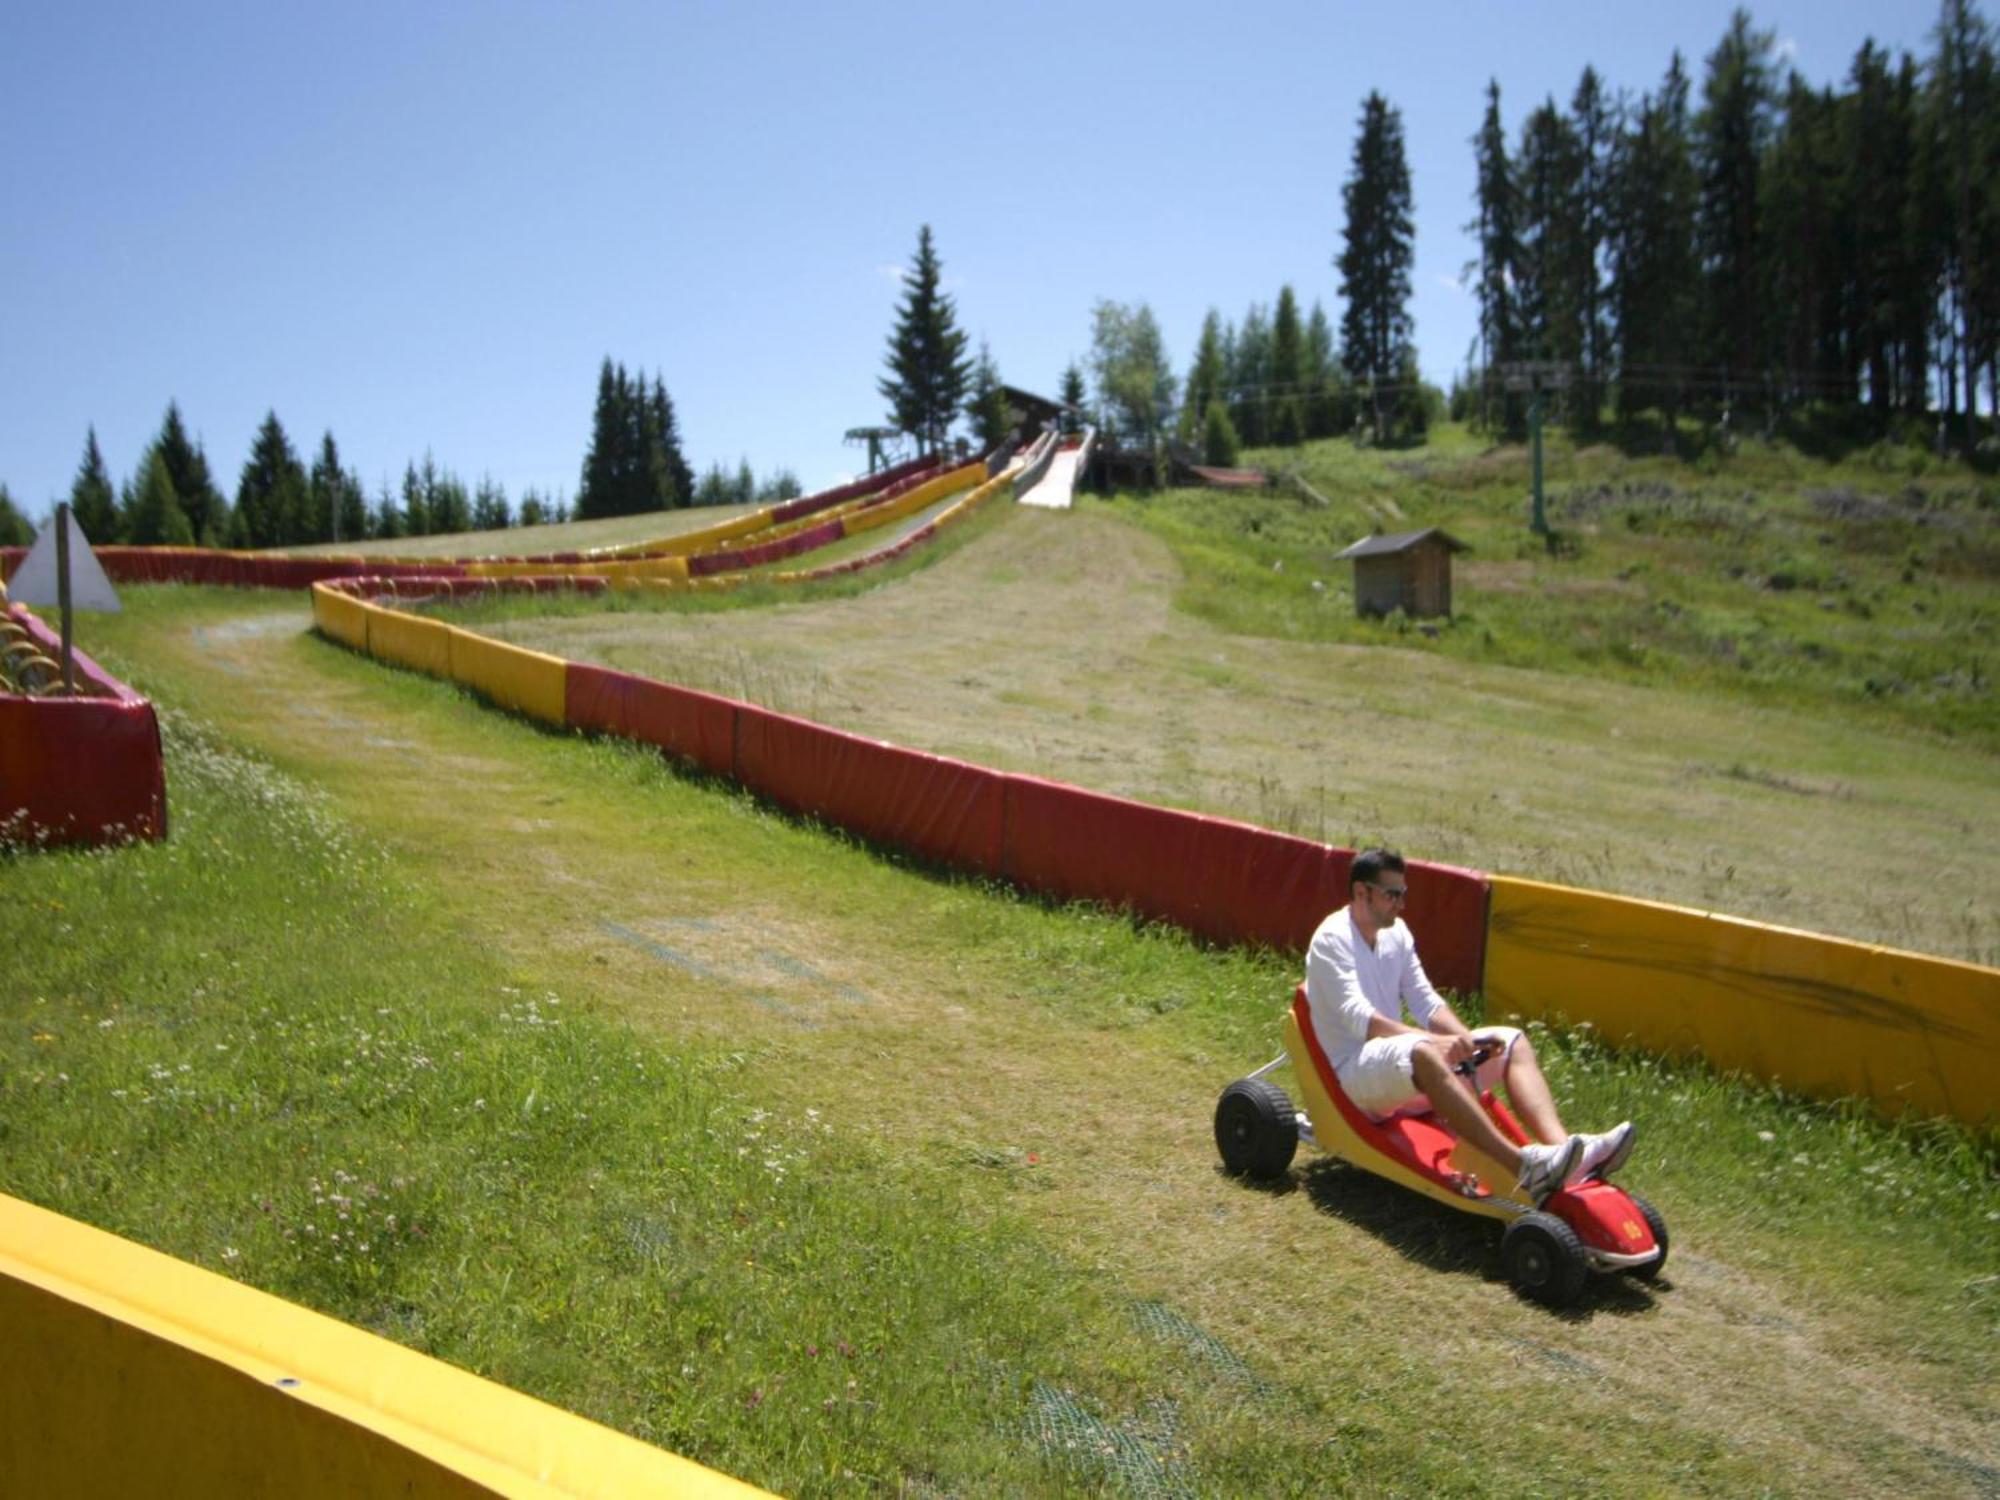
1401	541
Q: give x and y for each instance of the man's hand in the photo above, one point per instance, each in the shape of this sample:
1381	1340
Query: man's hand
1457	1049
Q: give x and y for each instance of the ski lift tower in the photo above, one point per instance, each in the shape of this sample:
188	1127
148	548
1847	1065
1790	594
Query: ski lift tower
1536	376
876	438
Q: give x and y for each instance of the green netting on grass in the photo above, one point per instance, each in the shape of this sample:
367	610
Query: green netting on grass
1140	1455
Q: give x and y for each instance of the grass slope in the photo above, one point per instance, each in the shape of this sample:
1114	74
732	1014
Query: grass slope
1091	646
854	1180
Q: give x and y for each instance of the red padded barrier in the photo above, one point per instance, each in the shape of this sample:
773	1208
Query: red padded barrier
698	727
1228	881
934	807
704	563
807	505
80	770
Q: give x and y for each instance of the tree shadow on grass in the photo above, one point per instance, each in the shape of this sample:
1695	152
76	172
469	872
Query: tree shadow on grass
1447	1240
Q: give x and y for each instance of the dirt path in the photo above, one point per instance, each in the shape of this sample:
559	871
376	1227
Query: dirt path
1051	645
1723	1381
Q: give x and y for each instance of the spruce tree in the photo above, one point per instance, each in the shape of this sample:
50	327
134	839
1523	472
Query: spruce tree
667	433
928	370
1590	121
271	493
985	406
1730	137
1074	394
596	491
15	528
1654	269
187	469
1249	374
1288	423
92	500
157	518
1206	379
1376	329
1323	398
325	489
416	515
1499	261
1219	446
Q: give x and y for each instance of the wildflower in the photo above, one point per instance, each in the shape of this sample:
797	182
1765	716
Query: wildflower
1766	1135
229	1252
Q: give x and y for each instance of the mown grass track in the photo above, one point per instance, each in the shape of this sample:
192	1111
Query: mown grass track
1017	1179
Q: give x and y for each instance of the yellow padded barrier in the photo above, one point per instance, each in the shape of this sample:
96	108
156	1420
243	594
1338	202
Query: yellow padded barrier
128	1372
1821	1015
340	616
511	676
423	645
908	504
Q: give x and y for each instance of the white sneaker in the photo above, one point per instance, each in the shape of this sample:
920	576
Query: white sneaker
1546	1168
1603	1154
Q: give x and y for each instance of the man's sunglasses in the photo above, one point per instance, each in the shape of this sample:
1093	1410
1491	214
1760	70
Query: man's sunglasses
1393	892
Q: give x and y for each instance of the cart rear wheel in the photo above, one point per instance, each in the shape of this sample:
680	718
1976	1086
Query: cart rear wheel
1544	1259
1658	1225
1256	1129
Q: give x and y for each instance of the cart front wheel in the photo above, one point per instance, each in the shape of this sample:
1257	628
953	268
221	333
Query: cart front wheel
1544	1259
1658	1225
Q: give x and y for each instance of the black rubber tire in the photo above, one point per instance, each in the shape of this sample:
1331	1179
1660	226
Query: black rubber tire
1544	1259
1256	1129
1658	1225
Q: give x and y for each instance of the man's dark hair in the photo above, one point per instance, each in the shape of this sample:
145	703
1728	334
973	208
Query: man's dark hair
1370	863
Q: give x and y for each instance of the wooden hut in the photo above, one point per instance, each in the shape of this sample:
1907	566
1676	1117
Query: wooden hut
1410	571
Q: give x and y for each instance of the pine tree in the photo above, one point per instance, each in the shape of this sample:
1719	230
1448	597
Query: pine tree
1808	219
1288	421
985	405
15	528
92	500
927	365
667	432
1592	131
326	494
1219	446
1731	133
1376	329
1073	395
157	519
271	492
416	515
1499	257
1249	349
1324	415
1654	269
596	492
1207	378
489	505
1547	169
533	513
1964	98
187	469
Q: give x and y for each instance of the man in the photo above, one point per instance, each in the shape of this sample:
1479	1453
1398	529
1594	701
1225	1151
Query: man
1361	970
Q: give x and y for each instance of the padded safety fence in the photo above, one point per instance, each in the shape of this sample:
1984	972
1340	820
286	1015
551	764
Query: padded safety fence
937	808
1819	1014
130	1373
514	677
80	770
686	724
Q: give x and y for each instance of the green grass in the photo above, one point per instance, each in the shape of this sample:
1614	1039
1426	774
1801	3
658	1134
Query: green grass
525	541
815	1246
1866	585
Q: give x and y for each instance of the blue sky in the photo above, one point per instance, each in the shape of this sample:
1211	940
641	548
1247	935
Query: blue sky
423	225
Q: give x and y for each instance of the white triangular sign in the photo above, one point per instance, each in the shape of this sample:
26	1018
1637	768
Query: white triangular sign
34	582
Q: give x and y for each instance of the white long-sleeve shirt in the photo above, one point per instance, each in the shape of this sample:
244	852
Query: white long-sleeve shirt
1348	983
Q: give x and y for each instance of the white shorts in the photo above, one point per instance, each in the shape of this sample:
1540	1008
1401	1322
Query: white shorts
1381	1081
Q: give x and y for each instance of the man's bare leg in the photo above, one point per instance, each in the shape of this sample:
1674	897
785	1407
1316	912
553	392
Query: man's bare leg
1460	1109
1528	1092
